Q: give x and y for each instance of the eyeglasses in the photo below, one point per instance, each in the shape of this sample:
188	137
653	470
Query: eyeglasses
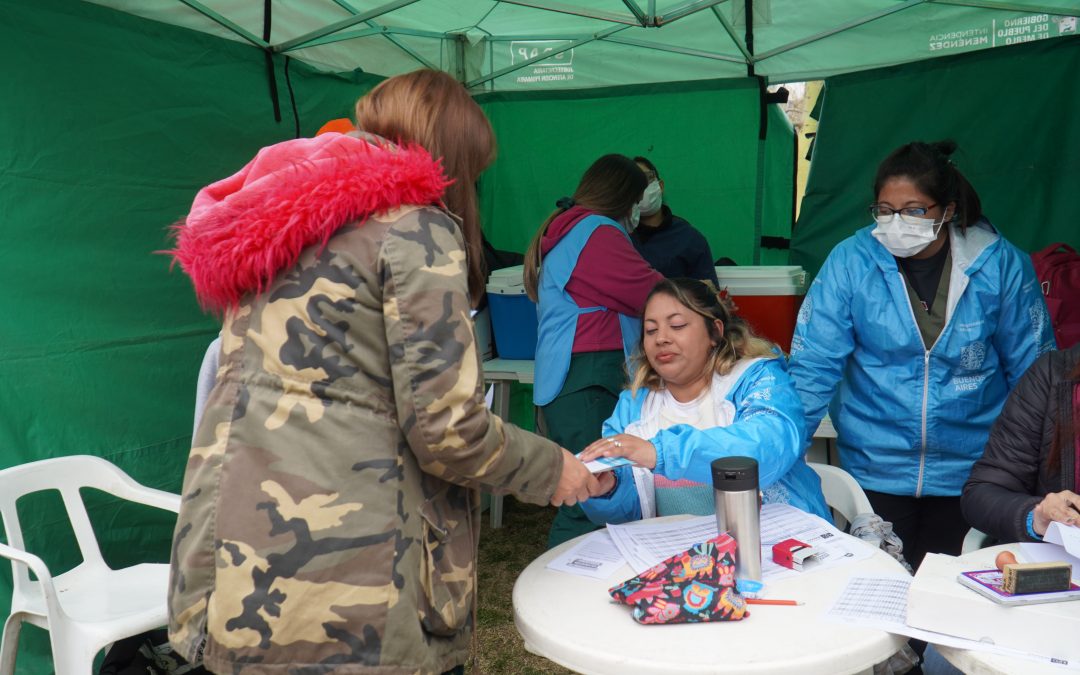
910	215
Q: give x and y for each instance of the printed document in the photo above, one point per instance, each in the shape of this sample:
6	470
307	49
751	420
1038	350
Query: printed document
881	602
645	544
596	557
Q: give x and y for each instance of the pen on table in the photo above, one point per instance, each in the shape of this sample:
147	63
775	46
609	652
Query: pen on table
767	601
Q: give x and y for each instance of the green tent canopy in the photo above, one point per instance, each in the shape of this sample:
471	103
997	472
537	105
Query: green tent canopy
530	45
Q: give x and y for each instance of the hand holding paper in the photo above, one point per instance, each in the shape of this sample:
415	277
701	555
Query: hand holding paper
1060	507
637	450
602	464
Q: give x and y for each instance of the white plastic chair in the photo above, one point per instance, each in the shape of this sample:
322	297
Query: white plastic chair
90	606
842	493
974	540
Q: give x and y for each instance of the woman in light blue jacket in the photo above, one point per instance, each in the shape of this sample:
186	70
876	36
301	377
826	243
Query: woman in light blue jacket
704	387
915	330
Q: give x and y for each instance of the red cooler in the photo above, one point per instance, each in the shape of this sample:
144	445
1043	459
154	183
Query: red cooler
768	297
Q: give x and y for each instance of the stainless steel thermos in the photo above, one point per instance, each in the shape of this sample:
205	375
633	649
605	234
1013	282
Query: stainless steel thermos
735	489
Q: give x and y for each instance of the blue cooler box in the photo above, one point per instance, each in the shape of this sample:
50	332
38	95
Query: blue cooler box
513	315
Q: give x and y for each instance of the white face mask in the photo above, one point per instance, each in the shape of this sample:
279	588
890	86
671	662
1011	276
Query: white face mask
631	223
905	239
652	199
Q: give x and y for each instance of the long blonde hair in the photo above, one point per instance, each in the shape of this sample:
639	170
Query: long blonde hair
737	342
432	109
610	187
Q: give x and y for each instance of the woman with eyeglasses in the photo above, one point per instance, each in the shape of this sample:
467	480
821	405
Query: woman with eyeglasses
920	324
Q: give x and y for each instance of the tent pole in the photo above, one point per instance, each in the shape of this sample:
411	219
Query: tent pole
459	57
763	131
302	40
628	19
731	33
841	28
685	51
225	23
381	30
676	13
748	36
269	59
643	18
759	180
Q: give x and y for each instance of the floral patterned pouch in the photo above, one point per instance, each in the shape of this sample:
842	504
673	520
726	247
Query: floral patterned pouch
694	586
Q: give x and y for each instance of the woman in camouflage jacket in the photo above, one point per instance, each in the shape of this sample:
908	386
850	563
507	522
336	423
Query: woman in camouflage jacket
330	515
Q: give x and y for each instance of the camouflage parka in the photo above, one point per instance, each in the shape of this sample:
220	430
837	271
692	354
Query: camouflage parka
330	511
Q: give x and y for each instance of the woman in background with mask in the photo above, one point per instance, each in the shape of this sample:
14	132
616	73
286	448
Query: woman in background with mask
667	242
590	286
921	324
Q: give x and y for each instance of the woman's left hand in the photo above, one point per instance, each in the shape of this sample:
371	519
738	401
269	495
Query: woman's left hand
637	450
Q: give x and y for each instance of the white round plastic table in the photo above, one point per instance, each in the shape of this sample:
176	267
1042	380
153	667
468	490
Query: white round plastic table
989	663
572	621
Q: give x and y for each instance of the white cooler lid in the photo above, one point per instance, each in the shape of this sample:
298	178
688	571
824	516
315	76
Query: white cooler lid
507	281
762	279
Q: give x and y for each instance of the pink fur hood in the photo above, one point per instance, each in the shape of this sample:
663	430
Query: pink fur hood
245	229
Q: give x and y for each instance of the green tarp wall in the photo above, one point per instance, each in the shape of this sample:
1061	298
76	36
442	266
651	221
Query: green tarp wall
1012	110
702	137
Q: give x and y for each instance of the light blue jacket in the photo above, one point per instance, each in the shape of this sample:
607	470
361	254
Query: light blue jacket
768	426
911	420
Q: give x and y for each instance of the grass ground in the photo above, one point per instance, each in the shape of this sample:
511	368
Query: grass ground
504	553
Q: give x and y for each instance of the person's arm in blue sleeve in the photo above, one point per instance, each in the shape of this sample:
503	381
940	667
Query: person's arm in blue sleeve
622	504
768	427
824	339
1024	332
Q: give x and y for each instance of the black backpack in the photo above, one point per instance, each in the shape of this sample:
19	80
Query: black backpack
147	654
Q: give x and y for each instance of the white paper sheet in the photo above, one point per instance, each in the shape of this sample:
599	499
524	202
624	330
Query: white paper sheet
602	464
781	521
596	557
881	602
1066	536
1046	552
645	544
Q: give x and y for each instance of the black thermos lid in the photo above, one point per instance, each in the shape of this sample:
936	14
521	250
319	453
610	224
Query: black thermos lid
734	474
